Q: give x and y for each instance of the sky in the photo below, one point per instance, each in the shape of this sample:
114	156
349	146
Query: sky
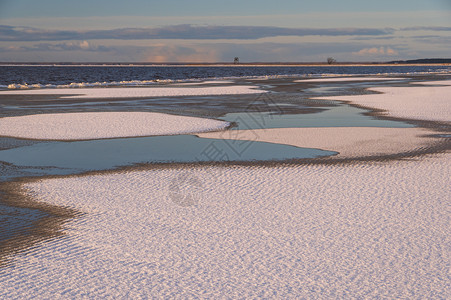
217	31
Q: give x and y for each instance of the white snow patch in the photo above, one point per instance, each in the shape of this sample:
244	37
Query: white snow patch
415	102
349	79
205	82
438	82
366	230
348	141
138	92
98	125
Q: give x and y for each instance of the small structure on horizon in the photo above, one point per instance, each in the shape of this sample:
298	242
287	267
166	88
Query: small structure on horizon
236	60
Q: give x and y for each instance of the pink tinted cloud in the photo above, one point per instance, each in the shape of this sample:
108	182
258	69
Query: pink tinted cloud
376	51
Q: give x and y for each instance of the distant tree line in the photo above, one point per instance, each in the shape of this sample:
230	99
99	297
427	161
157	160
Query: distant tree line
423	61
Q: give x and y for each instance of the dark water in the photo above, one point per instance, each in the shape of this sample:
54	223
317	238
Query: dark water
63	75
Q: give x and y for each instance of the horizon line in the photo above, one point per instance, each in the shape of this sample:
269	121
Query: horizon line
427	61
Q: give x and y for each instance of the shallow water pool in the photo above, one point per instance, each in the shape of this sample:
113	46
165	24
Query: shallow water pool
75	157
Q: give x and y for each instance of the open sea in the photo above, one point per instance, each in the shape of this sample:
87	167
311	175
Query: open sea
12	76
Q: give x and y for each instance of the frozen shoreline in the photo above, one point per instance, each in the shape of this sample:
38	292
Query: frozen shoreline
366	229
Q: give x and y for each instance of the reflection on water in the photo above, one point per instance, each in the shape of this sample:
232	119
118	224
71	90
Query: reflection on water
76	157
323	89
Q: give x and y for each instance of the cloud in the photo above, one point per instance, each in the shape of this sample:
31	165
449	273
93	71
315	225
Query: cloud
376	51
436	40
370	38
15	33
174	51
171	53
224	51
68	46
427	28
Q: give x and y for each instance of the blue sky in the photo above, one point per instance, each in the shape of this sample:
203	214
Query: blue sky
217	31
